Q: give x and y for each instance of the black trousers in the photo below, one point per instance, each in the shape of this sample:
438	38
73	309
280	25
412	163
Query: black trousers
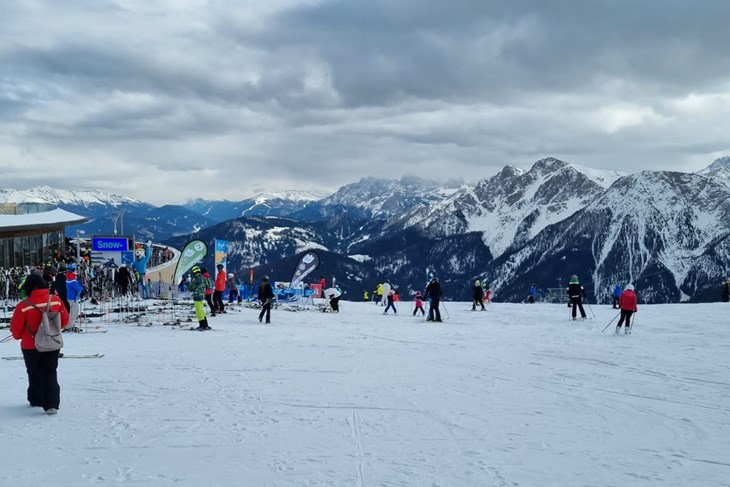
335	303
266	310
209	300
433	312
43	388
218	301
390	305
477	302
417	309
577	303
625	315
233	295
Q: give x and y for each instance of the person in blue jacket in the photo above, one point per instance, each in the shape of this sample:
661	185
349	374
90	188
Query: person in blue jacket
140	268
617	290
73	294
533	294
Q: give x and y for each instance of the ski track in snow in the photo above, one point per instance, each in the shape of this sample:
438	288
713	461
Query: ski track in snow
514	396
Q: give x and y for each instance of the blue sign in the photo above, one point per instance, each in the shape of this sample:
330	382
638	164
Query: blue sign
127	258
109	244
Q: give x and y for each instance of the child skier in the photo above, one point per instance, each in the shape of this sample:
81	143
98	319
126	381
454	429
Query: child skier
419	304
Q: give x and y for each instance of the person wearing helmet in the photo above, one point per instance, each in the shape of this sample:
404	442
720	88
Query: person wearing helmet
220	286
266	297
576	293
198	285
477	296
434	293
627	302
233	293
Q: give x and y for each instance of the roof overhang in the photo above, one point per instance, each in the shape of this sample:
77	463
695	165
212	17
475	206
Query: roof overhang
38	223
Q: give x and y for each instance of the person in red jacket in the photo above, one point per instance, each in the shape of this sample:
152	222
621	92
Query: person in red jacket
220	286
627	303
43	388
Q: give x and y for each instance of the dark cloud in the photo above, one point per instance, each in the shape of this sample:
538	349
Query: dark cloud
244	95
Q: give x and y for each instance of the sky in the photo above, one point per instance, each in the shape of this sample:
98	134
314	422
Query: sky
517	395
176	99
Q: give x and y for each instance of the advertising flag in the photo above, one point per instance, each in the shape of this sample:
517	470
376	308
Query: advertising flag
221	252
307	264
193	252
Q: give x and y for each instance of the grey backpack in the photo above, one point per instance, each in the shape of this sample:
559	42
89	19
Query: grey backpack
48	337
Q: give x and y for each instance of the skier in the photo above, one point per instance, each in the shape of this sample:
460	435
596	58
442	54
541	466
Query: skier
726	290
533	294
477	295
220	286
266	297
365	297
434	292
576	293
391	298
419	304
198	287
232	289
379	293
627	302
333	294
616	295
41	367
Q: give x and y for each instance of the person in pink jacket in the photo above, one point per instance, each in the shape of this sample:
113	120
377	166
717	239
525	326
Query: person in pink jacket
627	303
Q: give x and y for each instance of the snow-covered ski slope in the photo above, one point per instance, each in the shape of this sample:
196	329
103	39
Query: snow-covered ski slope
517	395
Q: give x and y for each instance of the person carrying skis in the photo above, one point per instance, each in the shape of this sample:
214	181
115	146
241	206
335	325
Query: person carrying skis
576	293
477	294
391	298
627	302
533	294
726	290
616	295
419	304
266	297
434	293
198	287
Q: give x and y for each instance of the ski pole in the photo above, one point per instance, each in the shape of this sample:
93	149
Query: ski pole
446	311
609	323
589	307
8	338
633	322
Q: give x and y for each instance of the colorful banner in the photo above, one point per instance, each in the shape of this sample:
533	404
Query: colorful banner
221	252
307	264
193	252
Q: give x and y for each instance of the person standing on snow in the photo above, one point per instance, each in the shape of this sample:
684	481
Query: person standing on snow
391	298
220	286
379	293
140	267
209	285
41	367
73	294
232	289
266	297
616	295
198	286
576	293
419	304
477	295
627	302
532	297
434	293
726	290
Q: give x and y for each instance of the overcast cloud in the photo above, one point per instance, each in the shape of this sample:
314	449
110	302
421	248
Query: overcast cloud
169	100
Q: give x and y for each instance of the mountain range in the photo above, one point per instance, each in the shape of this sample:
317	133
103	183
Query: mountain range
665	232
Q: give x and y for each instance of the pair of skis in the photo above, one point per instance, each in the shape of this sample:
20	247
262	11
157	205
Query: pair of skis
64	355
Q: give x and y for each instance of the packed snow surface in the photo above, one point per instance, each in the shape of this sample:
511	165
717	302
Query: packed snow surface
517	395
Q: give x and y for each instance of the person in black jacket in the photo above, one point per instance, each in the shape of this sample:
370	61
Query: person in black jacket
57	283
726	290
477	294
266	296
433	291
576	293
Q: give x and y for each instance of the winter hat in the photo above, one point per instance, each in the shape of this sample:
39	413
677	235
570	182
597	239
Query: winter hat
629	287
49	273
195	270
32	282
574	279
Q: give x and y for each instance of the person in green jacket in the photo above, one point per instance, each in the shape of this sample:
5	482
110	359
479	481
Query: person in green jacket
197	287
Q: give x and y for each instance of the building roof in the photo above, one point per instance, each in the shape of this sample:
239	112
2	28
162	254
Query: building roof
33	223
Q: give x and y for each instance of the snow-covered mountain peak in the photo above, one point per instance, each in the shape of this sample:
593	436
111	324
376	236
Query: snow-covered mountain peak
719	168
46	194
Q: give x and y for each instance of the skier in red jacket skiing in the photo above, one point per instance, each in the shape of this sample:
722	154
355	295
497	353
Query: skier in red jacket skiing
627	303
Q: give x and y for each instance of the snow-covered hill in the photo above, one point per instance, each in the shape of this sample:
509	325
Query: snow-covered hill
46	194
719	168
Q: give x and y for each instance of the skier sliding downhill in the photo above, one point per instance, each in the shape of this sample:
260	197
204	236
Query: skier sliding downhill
576	293
627	302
